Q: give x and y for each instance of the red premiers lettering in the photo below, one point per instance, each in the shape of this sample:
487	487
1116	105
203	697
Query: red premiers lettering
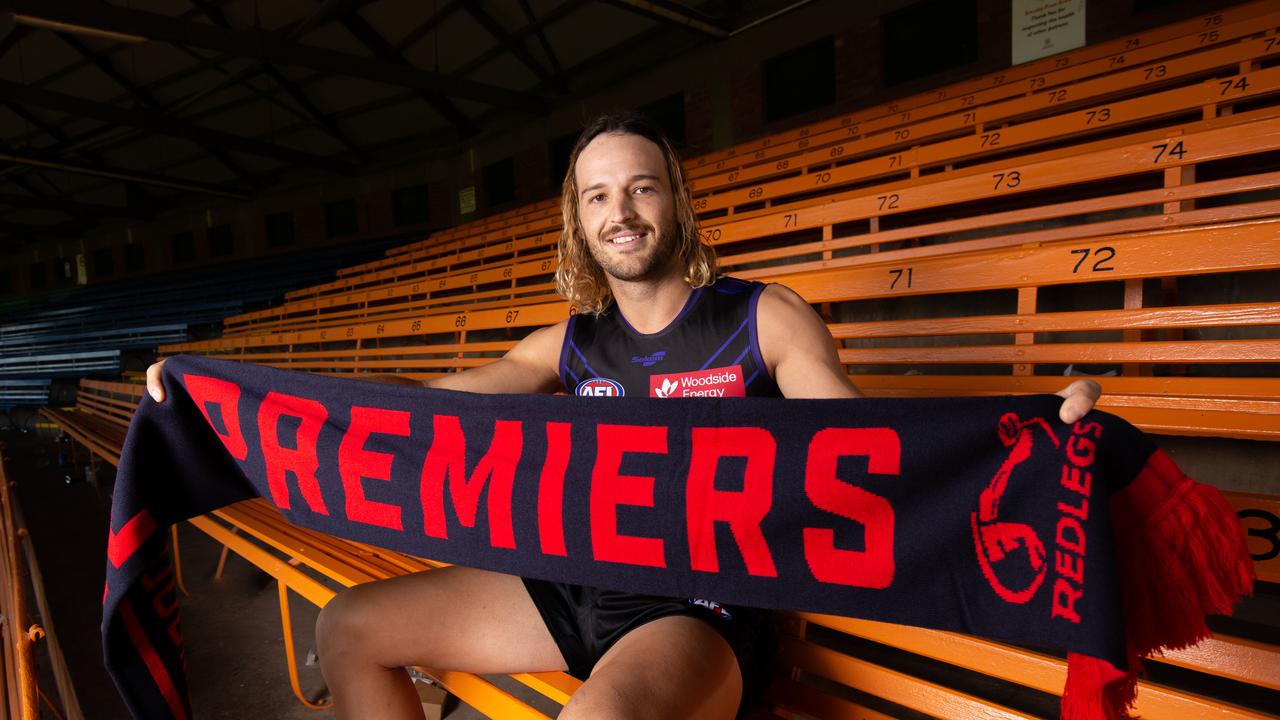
609	490
872	566
356	463
448	456
301	459
744	511
551	488
494	475
226	395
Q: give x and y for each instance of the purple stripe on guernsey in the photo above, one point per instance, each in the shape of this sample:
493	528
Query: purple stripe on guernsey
751	324
564	352
566	369
738	361
584	360
735	334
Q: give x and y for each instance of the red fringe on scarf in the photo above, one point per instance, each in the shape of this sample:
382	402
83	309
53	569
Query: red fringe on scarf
1181	555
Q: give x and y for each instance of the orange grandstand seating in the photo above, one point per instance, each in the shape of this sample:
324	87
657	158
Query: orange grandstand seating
938	235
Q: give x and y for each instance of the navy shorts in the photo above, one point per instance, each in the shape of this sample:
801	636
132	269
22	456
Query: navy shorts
585	622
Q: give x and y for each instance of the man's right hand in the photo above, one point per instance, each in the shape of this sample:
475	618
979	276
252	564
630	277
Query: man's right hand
154	387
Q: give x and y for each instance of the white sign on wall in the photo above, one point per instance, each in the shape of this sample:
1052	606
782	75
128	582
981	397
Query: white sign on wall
467	200
1046	27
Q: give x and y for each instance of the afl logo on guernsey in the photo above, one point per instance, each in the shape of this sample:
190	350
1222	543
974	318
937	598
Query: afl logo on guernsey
600	387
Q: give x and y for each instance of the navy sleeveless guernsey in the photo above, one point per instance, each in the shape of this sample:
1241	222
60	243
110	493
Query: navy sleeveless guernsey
709	350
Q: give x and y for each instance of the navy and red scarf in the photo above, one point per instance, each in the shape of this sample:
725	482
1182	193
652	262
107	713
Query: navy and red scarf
986	516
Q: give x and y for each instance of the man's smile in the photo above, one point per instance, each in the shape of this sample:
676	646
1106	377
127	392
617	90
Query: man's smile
625	237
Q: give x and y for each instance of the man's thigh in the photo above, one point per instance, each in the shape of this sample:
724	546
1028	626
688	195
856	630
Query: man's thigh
452	618
676	666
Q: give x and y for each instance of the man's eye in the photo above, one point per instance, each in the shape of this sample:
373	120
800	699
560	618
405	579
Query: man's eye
597	198
642	190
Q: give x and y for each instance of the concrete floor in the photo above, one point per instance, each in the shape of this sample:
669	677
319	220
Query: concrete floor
231	626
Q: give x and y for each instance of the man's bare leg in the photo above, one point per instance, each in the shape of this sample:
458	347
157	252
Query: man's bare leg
453	618
673	667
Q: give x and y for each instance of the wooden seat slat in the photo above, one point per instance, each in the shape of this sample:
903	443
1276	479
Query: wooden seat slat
1234	658
1024	77
1231	314
333	551
1181	421
344	571
1242	246
444	279
484	696
1201	250
1211	387
408	309
805	699
101	437
376	352
1233	185
984	181
1018	114
794	224
1017	665
556	685
911	692
1150	351
1263	509
1119	112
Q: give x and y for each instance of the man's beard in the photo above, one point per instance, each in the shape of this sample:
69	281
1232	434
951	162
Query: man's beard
637	267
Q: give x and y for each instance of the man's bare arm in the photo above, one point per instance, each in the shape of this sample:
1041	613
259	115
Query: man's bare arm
798	349
529	367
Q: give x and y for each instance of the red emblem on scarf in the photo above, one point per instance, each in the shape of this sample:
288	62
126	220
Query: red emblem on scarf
994	539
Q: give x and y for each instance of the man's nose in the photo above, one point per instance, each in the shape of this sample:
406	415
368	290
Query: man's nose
622	209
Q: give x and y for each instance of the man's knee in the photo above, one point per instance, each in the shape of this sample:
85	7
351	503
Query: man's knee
350	625
340	624
598	702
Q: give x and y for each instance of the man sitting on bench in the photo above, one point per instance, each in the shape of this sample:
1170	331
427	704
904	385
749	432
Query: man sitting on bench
654	319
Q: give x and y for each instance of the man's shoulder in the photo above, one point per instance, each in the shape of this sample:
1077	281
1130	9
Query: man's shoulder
782	300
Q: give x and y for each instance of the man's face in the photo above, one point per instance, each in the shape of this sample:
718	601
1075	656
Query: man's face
626	207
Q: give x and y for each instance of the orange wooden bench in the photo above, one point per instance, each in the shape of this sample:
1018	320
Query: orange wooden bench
970	112
1207	97
509	278
963	244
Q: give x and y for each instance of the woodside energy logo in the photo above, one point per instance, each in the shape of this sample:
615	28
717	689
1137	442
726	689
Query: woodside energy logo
716	382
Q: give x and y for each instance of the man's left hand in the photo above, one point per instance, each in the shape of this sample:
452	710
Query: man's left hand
1078	399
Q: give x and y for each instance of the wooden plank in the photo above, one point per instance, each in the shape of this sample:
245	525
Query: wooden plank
1035	670
1260	516
1200	250
1227	315
1154	351
917	694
